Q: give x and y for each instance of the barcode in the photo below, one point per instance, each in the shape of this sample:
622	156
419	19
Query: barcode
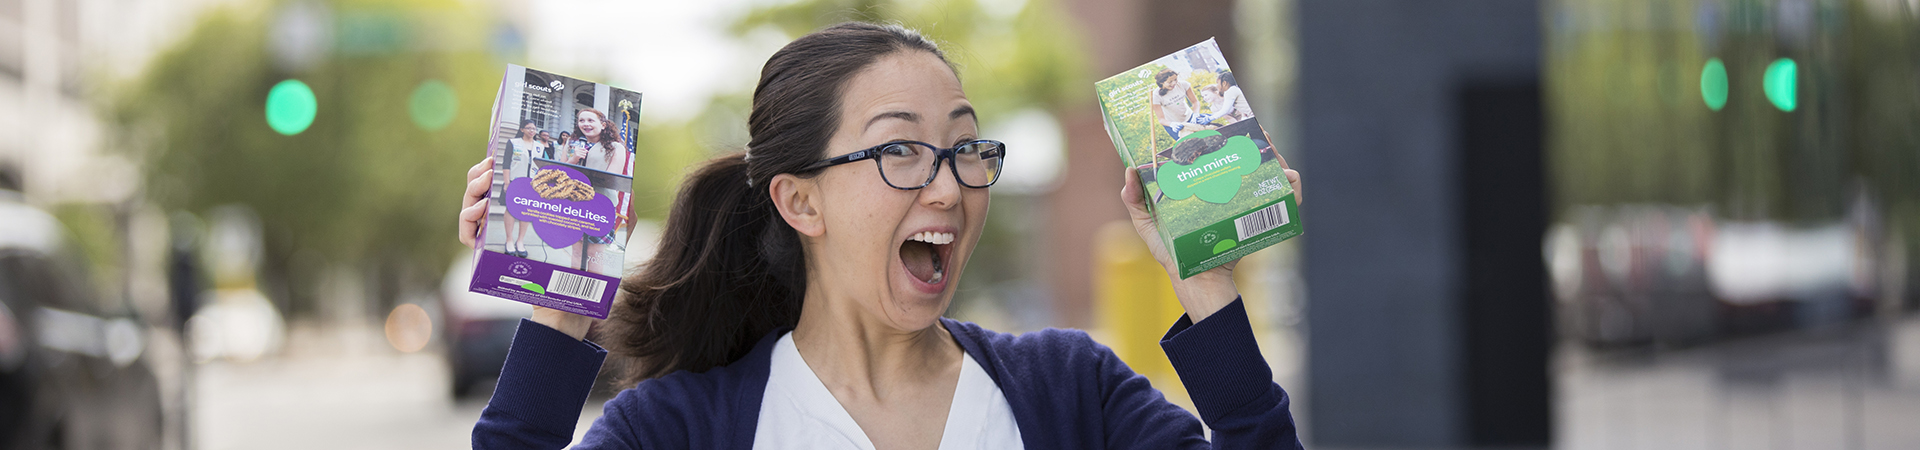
1261	221
576	286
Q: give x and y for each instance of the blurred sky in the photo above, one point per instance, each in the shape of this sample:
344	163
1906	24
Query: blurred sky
677	52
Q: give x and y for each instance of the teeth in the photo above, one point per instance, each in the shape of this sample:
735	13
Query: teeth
932	237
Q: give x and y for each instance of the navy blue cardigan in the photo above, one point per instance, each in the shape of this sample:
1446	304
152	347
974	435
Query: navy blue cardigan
1066	392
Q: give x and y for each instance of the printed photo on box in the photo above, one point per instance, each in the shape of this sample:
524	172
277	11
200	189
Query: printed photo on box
1216	185
560	209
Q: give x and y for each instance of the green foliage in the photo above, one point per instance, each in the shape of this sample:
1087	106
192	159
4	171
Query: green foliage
363	185
1029	60
91	238
1629	123
664	154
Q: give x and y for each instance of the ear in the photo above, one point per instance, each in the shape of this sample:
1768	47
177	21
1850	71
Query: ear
795	197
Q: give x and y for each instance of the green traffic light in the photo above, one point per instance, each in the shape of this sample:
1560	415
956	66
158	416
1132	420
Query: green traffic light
291	107
1779	83
1713	84
432	105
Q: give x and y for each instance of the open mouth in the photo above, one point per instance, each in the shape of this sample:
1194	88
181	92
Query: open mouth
925	256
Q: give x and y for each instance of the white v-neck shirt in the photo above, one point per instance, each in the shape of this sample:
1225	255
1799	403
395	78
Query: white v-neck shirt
799	413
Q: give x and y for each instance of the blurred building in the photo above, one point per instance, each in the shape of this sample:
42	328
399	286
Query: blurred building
1421	128
56	58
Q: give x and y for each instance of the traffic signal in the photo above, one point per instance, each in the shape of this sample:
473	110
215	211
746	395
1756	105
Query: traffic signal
1779	82
1713	84
291	107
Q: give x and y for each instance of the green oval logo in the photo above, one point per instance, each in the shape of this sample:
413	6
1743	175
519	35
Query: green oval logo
1213	175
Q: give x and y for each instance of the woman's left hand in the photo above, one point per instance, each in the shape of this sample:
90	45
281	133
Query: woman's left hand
1205	292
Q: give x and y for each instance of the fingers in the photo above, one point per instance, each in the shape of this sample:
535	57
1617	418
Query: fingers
485	165
1133	194
1293	177
470	218
477	186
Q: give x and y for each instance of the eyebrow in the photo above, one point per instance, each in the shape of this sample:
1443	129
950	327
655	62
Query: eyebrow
902	115
963	110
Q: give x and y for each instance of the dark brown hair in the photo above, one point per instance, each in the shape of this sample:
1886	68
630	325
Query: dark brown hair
1160	79
728	269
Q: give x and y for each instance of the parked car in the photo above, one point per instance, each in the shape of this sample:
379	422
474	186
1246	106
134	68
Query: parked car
478	328
74	365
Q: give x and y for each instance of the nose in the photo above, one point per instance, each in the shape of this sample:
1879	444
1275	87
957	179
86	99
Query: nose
944	191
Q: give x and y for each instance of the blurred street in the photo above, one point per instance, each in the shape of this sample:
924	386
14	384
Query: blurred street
1850	387
336	388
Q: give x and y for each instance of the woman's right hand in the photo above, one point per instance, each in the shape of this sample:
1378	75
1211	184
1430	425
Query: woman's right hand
473	210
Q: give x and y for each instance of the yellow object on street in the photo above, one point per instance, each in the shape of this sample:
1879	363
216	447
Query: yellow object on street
1133	306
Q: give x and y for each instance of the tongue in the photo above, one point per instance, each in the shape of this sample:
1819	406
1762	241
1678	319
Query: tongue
919	258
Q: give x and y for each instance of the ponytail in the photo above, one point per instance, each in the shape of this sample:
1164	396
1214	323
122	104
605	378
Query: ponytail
729	269
727	272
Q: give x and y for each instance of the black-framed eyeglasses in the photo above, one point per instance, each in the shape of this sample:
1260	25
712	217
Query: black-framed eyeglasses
909	165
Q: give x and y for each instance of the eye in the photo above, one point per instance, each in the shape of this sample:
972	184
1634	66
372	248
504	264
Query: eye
899	149
968	148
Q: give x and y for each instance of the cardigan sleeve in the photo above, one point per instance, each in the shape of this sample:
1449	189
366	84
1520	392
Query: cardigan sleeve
1230	383
542	388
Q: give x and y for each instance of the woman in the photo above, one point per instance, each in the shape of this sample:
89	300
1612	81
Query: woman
1173	104
521	151
796	297
1232	101
598	142
601	148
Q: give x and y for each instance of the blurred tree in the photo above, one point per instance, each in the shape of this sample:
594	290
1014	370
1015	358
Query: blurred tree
1630	124
364	187
1011	54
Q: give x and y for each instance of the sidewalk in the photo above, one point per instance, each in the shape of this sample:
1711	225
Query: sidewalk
1851	387
336	388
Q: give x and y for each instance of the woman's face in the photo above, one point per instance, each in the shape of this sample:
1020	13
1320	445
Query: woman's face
589	124
528	130
1169	83
545	137
898	253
